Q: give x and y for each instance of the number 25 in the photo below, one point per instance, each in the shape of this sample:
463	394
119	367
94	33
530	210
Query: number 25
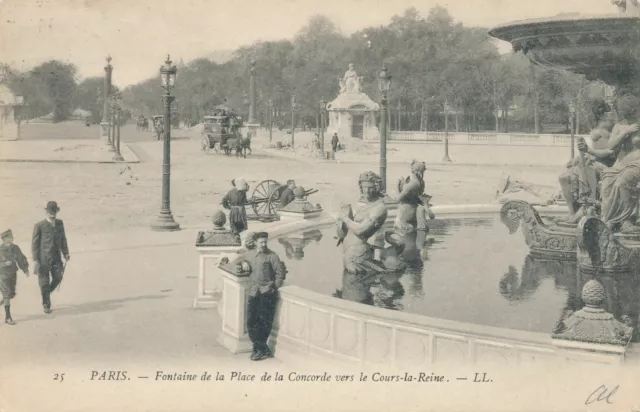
58	377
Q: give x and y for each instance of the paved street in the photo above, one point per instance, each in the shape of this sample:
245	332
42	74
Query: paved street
126	298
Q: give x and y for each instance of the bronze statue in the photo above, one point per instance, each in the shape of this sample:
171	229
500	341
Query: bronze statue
354	231
580	183
410	190
620	183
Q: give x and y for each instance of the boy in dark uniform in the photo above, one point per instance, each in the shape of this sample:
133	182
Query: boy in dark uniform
11	258
48	245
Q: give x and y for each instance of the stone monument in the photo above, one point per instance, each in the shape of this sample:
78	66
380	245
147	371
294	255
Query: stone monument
353	113
9	128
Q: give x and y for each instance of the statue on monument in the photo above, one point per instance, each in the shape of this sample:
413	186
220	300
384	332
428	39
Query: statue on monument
350	82
620	183
628	6
580	182
411	189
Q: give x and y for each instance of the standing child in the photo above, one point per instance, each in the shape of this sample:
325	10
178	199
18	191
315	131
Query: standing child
11	258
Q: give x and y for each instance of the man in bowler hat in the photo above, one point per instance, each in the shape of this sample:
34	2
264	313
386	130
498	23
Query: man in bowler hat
267	273
48	246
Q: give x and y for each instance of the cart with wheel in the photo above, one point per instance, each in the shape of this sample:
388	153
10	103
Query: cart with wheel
265	199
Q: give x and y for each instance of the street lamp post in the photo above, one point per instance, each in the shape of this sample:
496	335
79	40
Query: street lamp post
384	84
104	124
323	103
446	157
270	105
164	221
117	119
112	124
252	125
293	122
572	121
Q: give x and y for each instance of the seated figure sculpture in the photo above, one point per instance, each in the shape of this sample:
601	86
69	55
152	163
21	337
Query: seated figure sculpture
620	184
410	188
580	183
350	82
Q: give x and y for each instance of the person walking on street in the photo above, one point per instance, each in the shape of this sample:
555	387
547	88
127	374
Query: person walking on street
267	273
11	258
235	201
335	142
48	246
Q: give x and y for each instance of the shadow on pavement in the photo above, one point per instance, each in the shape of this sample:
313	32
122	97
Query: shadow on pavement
90	307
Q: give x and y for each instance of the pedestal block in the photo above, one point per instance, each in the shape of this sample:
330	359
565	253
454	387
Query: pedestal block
253	129
104	131
212	245
233	310
300	208
209	281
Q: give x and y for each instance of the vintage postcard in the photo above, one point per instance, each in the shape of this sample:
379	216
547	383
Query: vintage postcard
355	205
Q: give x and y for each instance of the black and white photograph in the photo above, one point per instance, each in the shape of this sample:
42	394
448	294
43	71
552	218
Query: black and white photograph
288	205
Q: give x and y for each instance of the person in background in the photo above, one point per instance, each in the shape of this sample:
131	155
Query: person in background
11	258
48	245
335	142
235	201
287	195
267	274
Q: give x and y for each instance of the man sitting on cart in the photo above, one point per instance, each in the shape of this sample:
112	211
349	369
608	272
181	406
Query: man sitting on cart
287	196
235	201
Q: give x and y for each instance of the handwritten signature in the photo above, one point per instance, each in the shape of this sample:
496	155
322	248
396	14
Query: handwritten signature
602	394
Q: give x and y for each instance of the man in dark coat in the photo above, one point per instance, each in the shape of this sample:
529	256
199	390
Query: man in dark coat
267	273
335	142
48	246
287	195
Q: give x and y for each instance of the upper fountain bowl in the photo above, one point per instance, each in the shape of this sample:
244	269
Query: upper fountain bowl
604	47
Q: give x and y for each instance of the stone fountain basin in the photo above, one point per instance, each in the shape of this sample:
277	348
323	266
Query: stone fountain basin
604	47
312	323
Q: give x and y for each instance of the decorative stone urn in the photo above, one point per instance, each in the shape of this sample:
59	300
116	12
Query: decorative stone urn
300	207
211	245
592	328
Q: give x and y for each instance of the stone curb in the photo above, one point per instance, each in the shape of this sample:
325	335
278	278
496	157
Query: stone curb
129	154
365	162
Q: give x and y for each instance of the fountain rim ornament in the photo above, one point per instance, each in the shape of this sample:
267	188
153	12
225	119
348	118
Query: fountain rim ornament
602	47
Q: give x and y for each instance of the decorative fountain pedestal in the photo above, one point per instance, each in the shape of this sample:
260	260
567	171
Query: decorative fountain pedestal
592	328
601	234
300	207
211	246
602	48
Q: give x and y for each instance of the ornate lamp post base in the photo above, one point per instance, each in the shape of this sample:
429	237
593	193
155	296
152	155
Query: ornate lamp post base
118	157
165	223
104	132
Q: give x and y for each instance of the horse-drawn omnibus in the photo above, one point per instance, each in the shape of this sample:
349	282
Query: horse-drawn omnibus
221	132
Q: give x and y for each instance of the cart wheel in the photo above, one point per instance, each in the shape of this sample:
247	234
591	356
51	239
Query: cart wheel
267	194
204	144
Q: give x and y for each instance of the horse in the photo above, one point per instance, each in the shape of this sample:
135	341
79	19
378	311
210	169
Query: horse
142	124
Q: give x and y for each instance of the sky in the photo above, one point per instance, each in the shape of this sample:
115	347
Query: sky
138	34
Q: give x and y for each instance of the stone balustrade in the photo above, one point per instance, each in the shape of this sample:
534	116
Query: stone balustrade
520	139
313	326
